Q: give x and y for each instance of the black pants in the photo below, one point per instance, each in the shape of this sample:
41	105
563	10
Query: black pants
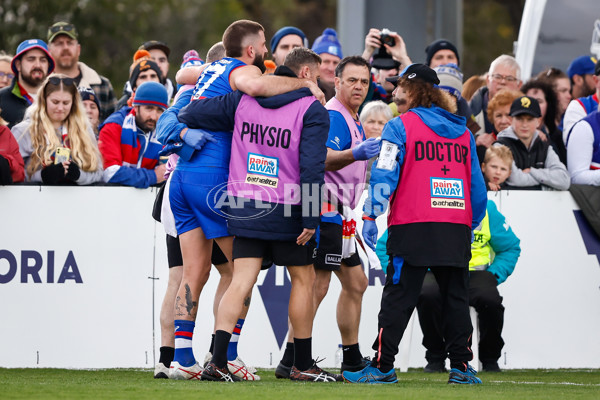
400	298
484	296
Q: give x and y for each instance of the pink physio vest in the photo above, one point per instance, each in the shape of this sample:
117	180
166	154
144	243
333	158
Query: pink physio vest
265	151
435	179
348	183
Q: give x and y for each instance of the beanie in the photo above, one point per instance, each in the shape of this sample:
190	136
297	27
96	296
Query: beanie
287	30
151	94
191	58
328	43
441	44
451	79
141	63
87	93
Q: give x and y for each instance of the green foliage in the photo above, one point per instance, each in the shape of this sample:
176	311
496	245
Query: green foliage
138	384
490	28
110	31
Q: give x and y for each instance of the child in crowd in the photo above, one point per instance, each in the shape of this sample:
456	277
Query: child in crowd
536	165
496	166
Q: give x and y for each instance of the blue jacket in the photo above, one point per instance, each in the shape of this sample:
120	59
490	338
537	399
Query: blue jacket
444	124
503	241
218	114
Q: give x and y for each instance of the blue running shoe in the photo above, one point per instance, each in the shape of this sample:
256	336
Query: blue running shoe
464	378
370	375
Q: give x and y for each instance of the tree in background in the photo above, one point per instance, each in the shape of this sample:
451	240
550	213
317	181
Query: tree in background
110	31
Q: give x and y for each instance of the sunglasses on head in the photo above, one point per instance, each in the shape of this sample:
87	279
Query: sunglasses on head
56	80
62	28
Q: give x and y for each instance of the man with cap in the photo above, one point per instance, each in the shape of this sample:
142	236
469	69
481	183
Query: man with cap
585	72
284	41
581	72
65	48
438	196
159	53
31	65
536	165
128	139
330	49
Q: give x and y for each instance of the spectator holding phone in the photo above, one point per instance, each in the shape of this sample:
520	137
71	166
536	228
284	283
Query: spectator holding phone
56	140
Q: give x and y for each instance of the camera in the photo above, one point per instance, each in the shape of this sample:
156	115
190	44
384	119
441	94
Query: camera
385	37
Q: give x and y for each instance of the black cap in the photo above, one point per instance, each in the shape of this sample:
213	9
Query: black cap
525	105
155	44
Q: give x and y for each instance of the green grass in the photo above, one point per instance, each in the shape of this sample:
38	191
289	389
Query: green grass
138	384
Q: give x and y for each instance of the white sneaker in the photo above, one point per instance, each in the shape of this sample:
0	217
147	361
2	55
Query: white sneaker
180	372
239	369
161	371
251	369
207	358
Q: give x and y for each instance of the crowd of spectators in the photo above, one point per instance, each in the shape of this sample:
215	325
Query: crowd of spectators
563	99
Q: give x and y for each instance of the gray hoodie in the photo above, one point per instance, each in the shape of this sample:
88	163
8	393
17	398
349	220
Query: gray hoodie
554	175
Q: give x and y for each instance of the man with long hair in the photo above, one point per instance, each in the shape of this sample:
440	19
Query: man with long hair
428	167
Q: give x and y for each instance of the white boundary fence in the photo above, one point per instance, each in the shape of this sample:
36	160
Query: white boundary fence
83	271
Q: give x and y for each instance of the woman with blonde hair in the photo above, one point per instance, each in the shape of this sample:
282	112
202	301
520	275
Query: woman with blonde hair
56	140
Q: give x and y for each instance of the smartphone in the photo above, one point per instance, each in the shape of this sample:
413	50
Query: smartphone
62	155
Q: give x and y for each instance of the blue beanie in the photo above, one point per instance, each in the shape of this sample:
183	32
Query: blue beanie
31	44
287	30
151	94
328	43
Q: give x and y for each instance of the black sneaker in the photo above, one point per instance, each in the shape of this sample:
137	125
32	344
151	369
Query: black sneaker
213	373
435	366
490	366
364	362
282	371
314	374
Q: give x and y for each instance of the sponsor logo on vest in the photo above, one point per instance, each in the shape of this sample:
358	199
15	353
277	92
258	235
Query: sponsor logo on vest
271	136
447	187
441	203
441	151
333	259
261	180
263	165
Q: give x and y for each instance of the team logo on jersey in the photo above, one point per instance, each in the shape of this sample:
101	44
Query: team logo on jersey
447	187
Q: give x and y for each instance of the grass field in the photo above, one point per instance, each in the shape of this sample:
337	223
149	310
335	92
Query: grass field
138	384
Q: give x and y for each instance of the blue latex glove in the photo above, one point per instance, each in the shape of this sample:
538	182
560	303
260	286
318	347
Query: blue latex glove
170	148
197	138
367	149
369	233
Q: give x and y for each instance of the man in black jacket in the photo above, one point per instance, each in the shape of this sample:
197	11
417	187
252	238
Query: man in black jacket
31	65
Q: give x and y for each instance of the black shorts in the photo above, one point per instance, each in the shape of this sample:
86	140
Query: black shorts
176	259
217	257
174	252
329	252
285	253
